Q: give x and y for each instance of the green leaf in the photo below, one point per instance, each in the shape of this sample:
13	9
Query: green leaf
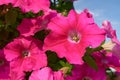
97	49
90	61
62	63
52	57
10	17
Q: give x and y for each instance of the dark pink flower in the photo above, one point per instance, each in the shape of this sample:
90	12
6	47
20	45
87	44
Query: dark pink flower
45	19
46	74
113	47
4	67
35	24
84	72
107	60
32	5
17	75
25	54
70	35
29	27
113	61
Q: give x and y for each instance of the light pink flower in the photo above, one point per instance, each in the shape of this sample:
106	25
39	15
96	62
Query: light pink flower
46	74
35	24
114	44
32	5
4	67
109	31
116	50
25	54
70	35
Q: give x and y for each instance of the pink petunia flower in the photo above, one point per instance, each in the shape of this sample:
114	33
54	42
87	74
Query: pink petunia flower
30	29
6	2
32	5
107	60
29	5
84	72
45	19
35	24
4	67
116	50
17	75
113	62
70	35
109	31
114	44
25	54
46	74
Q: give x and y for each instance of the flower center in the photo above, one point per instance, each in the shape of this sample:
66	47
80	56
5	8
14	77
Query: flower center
25	53
1	62
86	78
74	36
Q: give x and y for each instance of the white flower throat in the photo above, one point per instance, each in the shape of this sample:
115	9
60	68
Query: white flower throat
74	36
26	53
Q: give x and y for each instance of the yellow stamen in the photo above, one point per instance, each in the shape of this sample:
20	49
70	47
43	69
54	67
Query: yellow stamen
75	38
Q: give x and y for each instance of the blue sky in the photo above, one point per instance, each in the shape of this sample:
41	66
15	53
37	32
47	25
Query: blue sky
102	10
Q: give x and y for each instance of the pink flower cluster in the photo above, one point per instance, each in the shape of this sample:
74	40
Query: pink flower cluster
29	5
69	37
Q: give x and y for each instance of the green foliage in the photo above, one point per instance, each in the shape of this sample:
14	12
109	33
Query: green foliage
41	34
7	35
66	64
110	74
62	6
88	56
27	75
90	61
10	17
56	63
